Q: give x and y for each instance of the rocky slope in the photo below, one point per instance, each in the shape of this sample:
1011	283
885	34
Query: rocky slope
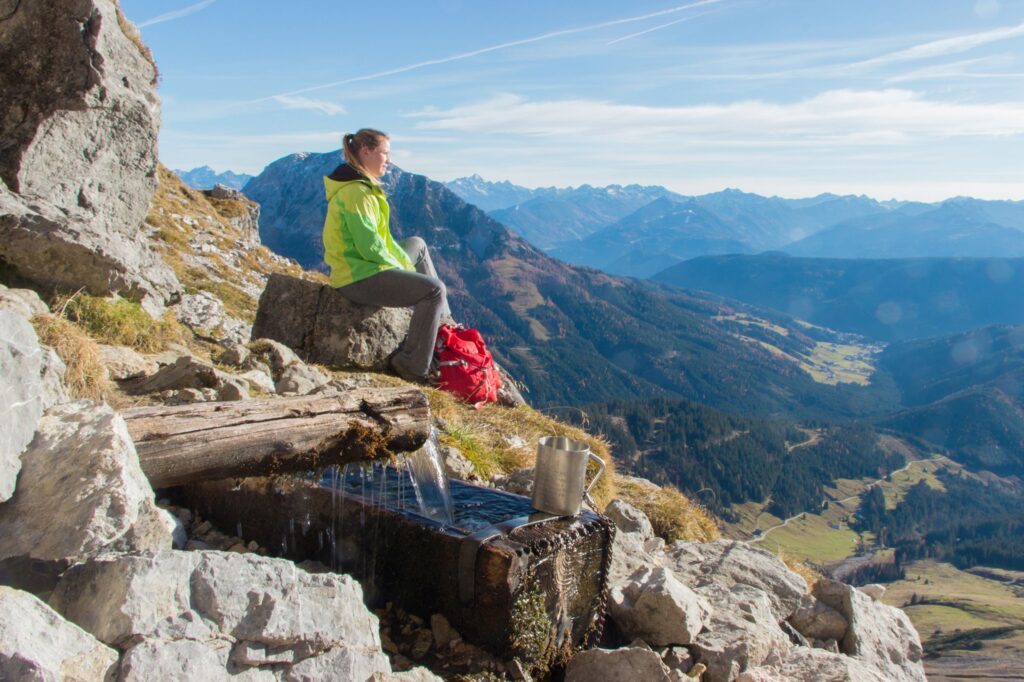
101	582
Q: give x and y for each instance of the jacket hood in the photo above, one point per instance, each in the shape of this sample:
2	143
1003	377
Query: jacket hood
340	176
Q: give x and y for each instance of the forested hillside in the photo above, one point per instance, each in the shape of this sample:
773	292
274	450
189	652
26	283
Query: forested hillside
968	522
737	459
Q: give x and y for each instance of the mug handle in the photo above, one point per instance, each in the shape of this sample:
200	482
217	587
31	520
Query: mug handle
600	470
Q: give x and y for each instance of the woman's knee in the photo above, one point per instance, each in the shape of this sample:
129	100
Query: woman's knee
440	290
414	246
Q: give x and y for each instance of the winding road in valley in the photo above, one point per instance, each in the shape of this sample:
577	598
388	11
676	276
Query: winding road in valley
764	534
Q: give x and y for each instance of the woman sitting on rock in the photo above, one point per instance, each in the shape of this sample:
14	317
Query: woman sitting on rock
368	266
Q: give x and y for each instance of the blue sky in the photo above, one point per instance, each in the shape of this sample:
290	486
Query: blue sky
912	99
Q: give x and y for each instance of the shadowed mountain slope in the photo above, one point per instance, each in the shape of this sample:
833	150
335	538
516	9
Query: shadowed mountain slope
884	299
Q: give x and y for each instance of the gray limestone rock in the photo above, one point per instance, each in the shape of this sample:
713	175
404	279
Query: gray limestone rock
741	633
51	378
233	389
629	554
24	302
629	519
816	620
879	636
185	372
728	562
246	220
456	465
81	492
78	131
658	609
277	354
228	613
205	313
616	665
235	355
124	363
874	590
323	327
300	379
21	400
258	380
802	663
37	644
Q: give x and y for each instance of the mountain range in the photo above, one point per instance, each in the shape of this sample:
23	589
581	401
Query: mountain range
580	225
205	177
883	299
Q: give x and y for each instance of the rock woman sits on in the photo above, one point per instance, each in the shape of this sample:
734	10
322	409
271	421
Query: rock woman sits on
368	266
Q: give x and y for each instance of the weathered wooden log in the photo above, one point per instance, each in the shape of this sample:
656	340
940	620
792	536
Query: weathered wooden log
209	441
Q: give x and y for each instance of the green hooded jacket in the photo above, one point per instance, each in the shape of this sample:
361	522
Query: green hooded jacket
357	239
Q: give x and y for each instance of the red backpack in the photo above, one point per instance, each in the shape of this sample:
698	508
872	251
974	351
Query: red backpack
466	367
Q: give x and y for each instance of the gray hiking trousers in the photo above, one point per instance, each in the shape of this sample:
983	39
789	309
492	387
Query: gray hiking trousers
400	288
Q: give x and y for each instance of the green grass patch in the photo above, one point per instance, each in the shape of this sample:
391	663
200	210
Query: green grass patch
119	322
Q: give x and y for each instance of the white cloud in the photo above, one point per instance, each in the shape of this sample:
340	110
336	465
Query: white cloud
847	116
177	14
945	46
292	102
958	70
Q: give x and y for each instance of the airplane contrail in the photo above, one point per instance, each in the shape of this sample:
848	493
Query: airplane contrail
492	48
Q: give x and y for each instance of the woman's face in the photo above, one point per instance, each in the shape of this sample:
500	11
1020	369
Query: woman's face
375	161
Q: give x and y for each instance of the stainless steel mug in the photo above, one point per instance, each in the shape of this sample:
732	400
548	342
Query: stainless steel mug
560	475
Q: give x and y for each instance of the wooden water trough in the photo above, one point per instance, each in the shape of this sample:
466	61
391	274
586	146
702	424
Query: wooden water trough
514	581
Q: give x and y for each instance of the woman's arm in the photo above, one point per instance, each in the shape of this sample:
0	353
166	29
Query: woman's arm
362	218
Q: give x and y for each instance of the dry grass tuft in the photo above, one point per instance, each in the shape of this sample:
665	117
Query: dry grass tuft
119	322
673	515
131	32
806	571
86	375
489	438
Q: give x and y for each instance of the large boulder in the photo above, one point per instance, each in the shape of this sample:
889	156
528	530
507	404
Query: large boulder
37	644
78	131
226	613
815	619
242	212
616	665
658	609
323	327
880	636
81	492
21	397
725	563
741	633
819	665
